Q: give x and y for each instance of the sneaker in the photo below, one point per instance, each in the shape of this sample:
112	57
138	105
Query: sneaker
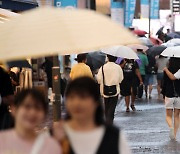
127	110
171	134
133	108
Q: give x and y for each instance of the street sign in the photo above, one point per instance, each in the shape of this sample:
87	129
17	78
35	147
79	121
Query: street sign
176	6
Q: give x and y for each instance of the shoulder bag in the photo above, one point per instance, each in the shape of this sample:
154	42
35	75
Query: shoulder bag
108	90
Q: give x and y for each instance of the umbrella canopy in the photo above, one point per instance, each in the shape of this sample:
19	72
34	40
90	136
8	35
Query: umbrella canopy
47	31
121	51
19	63
155	50
138	46
156	41
95	60
140	32
160	31
6	14
146	41
174	35
172	43
172	52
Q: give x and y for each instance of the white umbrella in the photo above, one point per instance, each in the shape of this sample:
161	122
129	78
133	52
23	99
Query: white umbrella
121	51
146	41
172	52
172	43
138	46
47	31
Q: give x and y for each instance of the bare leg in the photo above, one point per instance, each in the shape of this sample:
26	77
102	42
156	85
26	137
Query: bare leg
176	121
150	90
169	113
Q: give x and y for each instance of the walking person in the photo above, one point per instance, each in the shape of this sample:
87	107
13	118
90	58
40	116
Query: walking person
151	70
171	91
29	111
129	85
161	63
142	68
80	69
109	77
85	128
7	95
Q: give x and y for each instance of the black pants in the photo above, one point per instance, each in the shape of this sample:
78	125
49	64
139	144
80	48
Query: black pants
6	119
110	106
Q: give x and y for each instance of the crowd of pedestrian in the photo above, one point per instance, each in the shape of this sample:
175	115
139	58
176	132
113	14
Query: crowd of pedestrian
90	101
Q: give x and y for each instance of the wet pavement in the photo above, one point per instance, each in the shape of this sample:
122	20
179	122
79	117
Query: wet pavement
146	128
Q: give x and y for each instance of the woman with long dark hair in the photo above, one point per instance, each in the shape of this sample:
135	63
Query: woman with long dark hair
171	91
85	129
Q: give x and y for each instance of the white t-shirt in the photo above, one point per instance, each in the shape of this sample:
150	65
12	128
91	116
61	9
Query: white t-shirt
89	142
177	74
161	62
113	75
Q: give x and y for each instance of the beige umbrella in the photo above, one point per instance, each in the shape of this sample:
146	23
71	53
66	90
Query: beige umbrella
47	31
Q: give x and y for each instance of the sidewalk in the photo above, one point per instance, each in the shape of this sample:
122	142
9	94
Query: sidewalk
146	128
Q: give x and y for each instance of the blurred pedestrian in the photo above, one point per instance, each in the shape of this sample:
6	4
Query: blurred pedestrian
14	79
142	68
161	63
151	70
129	85
109	77
171	91
29	111
80	69
85	128
7	95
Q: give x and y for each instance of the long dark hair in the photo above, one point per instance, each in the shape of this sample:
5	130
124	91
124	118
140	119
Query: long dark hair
86	86
174	64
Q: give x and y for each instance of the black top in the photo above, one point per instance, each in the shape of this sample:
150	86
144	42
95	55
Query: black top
109	143
171	88
5	84
129	70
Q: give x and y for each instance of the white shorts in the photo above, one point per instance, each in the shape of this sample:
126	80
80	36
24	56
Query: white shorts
172	103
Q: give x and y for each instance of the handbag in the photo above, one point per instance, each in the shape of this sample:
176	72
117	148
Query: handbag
108	90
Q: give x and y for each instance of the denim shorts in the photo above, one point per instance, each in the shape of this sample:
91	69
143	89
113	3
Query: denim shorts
160	76
149	79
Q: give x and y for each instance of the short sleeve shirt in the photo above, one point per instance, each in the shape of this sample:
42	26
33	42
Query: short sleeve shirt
177	74
129	70
5	84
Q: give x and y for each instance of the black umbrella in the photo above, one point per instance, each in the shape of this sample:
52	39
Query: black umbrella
155	50
95	60
160	31
19	63
174	35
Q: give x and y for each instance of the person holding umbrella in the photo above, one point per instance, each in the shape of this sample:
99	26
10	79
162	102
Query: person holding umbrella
171	92
109	77
142	68
161	63
130	82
